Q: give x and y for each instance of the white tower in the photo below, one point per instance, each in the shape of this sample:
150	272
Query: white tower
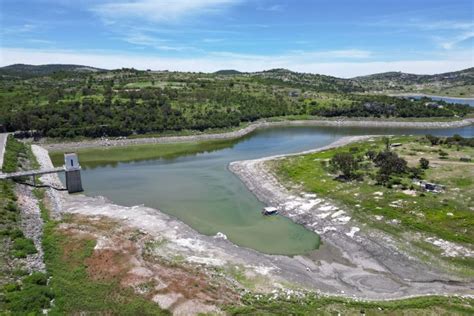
73	173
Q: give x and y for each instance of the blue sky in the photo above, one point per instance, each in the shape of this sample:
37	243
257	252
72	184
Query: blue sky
339	37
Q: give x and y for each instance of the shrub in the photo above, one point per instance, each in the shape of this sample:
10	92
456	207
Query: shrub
433	139
13	233
416	173
424	163
371	154
11	287
37	278
443	154
31	299
345	163
23	247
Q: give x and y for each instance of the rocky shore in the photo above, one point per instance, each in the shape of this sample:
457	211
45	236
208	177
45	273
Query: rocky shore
373	259
344	265
111	142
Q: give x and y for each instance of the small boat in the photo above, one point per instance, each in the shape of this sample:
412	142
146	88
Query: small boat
270	210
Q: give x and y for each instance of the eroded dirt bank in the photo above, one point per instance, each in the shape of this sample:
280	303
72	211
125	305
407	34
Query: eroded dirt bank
344	265
249	129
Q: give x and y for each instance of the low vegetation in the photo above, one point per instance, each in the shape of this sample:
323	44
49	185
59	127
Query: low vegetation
401	185
20	293
311	304
66	258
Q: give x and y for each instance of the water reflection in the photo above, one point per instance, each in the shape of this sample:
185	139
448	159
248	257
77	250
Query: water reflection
196	187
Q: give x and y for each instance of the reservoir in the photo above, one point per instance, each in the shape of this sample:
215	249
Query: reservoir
468	101
198	189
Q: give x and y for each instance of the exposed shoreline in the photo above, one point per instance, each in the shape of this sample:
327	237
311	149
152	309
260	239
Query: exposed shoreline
98	143
363	247
346	269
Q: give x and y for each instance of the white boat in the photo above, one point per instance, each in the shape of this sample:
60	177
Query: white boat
270	210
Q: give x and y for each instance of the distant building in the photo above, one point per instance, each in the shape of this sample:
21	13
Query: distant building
433	105
430	187
293	94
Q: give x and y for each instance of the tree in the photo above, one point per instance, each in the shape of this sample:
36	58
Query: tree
432	139
389	164
386	141
424	163
443	154
371	154
345	163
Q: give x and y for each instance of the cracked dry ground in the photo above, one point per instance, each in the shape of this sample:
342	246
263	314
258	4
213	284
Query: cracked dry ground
129	258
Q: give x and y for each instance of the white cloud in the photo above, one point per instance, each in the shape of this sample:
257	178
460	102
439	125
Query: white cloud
273	8
452	42
215	62
160	10
138	38
442	25
336	54
20	29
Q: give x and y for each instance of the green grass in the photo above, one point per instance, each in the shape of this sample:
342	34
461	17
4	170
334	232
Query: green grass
321	305
13	151
20	295
75	292
28	298
427	213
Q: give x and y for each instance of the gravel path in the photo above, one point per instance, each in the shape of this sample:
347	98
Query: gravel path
31	225
352	272
3	143
249	129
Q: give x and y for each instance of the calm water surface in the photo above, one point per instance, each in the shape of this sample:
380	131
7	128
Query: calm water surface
468	101
199	190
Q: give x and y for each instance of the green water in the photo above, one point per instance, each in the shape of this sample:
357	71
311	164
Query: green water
196	187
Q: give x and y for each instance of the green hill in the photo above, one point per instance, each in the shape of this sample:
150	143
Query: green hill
29	71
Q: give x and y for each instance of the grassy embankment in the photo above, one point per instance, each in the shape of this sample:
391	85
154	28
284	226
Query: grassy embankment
20	293
72	288
447	215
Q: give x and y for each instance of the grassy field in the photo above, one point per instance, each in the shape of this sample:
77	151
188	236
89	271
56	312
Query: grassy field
402	209
466	91
322	305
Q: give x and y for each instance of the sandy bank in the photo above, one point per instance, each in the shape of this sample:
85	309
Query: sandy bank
345	268
249	129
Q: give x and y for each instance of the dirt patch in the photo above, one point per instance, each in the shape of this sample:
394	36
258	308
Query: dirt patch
121	255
